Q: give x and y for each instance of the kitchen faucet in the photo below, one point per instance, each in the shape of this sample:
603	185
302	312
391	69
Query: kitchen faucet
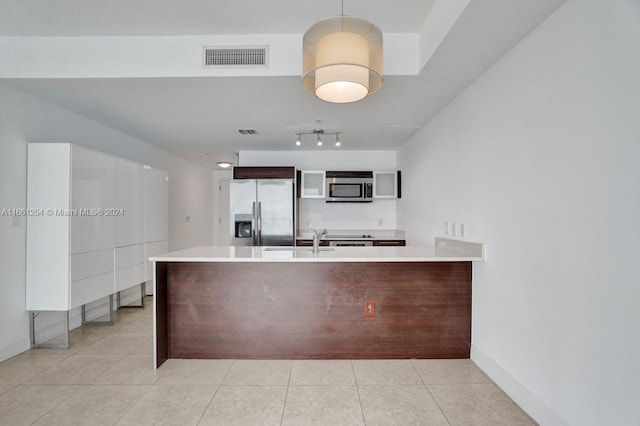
317	234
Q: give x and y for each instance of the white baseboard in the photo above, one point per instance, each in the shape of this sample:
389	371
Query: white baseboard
14	349
522	396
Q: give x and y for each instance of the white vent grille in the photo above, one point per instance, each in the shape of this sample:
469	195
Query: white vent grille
235	57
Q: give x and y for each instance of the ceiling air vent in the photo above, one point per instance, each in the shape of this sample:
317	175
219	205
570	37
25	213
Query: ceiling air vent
247	131
235	57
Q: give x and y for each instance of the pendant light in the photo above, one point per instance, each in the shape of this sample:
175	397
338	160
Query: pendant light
342	59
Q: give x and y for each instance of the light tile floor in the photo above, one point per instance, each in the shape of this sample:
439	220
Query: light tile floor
107	378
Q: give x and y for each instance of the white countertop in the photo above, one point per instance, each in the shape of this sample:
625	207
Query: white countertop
444	251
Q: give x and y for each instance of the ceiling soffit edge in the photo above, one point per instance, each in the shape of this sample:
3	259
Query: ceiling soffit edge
181	56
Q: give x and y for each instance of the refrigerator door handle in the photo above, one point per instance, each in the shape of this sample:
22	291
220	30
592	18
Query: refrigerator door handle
254	224
259	223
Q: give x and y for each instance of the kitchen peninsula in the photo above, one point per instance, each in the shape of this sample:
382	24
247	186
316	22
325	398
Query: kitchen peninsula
292	303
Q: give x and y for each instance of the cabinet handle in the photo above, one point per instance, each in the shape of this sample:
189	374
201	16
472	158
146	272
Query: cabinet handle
388	243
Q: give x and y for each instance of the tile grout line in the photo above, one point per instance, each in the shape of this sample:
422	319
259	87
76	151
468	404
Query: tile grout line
45	369
208	404
58	404
286	395
134	403
430	394
355	378
216	392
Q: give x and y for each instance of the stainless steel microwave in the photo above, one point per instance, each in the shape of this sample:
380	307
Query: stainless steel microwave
349	187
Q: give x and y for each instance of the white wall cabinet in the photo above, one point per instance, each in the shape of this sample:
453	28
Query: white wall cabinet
129	266
386	184
131	221
131	199
88	225
93	195
157	224
70	238
312	183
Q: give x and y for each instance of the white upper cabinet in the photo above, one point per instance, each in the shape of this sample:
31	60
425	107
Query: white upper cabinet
312	184
130	203
93	196
157	190
385	184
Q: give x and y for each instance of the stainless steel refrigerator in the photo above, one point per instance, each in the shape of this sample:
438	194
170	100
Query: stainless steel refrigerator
262	212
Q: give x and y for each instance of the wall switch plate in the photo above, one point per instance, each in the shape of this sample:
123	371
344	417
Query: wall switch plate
369	308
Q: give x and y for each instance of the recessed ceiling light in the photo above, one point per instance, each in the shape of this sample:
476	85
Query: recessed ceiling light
224	164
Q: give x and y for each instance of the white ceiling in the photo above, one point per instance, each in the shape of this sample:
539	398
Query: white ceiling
198	117
195	17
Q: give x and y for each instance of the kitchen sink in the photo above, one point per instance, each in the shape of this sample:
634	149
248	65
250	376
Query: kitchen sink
296	249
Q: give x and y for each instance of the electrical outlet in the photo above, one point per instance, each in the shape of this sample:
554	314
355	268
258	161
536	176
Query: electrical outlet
369	308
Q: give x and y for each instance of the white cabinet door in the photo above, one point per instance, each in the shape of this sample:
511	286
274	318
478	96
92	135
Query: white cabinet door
385	184
92	198
312	183
47	269
130	203
157	190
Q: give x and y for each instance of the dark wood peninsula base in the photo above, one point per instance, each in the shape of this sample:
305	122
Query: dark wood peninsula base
312	310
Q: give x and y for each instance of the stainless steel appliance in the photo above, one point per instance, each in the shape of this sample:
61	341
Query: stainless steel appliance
349	187
262	212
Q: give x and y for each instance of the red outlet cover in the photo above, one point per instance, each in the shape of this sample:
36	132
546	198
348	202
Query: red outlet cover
369	308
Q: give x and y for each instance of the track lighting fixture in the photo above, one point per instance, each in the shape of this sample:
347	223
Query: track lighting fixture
318	133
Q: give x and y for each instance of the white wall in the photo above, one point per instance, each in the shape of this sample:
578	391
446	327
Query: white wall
539	158
321	159
24	118
380	214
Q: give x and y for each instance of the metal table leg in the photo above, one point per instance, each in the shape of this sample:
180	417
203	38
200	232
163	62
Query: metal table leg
143	291
32	330
93	322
